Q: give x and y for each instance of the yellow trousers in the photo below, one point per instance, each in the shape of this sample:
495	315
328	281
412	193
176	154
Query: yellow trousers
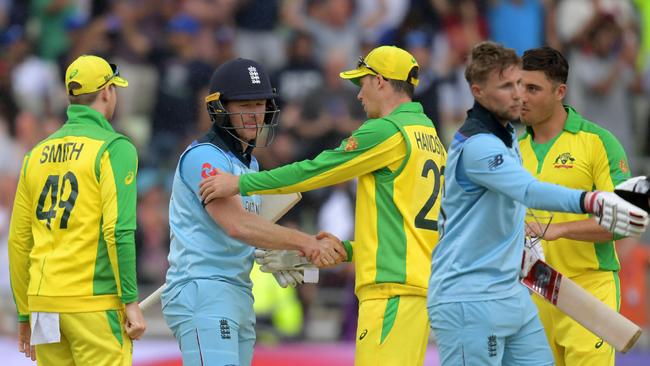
392	332
89	339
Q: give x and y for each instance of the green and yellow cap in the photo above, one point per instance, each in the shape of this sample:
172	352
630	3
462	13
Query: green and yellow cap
92	73
388	61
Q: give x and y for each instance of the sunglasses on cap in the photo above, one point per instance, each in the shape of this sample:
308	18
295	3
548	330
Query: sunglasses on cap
363	63
116	72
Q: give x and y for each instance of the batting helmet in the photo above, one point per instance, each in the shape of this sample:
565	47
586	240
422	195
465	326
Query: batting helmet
242	79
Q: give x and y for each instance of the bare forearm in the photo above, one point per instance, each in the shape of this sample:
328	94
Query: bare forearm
584	230
263	234
253	229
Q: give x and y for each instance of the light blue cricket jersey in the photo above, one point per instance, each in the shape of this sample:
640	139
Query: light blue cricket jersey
484	202
199	247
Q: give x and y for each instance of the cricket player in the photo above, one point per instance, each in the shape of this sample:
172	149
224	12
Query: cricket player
399	161
479	311
71	240
208	302
562	147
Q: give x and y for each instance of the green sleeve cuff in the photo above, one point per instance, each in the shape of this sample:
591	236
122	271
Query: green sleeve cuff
618	236
127	299
243	190
23	318
348	248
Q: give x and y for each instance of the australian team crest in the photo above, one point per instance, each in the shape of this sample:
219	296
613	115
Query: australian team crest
564	160
351	144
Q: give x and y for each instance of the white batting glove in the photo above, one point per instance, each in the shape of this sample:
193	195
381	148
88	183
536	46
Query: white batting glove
288	266
616	214
533	252
279	260
288	278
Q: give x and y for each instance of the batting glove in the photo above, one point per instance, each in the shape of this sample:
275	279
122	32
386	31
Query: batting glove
616	214
533	252
288	278
288	266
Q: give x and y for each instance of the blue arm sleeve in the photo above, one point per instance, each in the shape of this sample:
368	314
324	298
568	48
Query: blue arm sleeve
201	162
488	163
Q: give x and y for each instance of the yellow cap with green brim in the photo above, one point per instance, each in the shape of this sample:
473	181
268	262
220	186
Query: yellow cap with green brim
88	74
391	62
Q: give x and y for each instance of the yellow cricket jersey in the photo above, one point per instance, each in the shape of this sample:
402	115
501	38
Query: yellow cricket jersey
583	156
399	161
71	240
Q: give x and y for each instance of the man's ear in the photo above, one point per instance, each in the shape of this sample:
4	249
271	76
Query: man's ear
477	91
104	94
560	92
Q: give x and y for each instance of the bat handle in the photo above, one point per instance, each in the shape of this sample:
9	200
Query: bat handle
152	299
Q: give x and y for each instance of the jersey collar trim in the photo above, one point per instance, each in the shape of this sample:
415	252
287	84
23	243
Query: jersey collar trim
504	133
573	120
81	114
409	107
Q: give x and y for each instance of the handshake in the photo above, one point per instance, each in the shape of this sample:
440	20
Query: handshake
293	267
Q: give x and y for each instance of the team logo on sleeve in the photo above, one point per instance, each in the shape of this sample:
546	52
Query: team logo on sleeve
129	178
207	170
564	160
623	165
495	162
351	144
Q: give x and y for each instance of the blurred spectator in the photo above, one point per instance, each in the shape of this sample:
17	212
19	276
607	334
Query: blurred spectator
644	64
419	44
29	131
603	73
332	23
330	112
9	170
132	27
635	263
575	18
336	215
49	18
281	152
255	39
152	235
36	83
463	26
526	16
380	20
212	13
301	74
183	82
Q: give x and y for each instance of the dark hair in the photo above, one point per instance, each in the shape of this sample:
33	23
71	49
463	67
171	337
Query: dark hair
405	86
548	60
84	99
486	57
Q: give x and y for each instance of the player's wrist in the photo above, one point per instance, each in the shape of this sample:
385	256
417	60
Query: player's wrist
585	197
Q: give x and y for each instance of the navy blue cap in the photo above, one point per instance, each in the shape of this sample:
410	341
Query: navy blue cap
241	79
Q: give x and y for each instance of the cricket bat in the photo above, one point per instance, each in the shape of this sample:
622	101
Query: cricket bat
272	208
582	306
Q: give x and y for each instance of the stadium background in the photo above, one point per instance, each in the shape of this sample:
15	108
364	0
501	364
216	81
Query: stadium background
167	50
